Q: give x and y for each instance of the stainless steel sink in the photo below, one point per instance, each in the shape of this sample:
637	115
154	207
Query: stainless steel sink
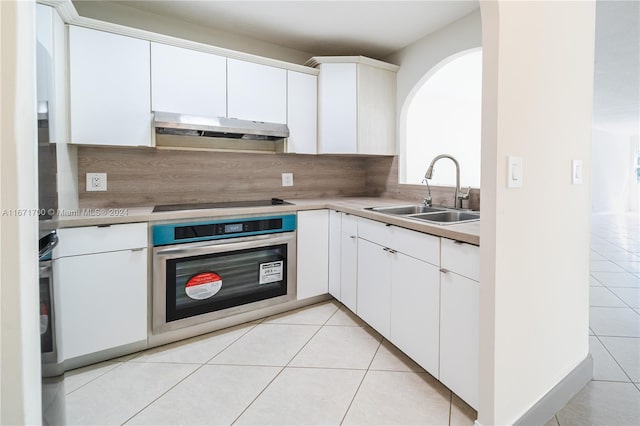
452	216
439	215
407	210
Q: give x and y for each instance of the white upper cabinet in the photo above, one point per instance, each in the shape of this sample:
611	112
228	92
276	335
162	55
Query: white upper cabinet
337	109
302	112
188	82
256	92
109	88
357	105
51	58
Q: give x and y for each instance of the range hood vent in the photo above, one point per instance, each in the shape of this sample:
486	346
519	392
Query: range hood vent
169	123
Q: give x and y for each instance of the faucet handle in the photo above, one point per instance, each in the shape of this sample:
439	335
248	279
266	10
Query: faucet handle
464	196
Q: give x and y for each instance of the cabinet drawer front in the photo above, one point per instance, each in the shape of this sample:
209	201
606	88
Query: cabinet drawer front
349	224
98	239
377	232
416	244
461	258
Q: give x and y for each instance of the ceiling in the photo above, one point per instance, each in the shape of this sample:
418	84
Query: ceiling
379	28
369	28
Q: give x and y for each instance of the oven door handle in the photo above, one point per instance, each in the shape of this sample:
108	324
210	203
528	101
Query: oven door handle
194	249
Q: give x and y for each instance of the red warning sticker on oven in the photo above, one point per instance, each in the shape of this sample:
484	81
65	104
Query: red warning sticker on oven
203	285
271	272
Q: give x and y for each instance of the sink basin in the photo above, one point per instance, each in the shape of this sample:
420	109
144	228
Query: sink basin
407	210
439	215
451	216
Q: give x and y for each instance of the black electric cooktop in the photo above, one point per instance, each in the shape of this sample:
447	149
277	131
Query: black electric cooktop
220	205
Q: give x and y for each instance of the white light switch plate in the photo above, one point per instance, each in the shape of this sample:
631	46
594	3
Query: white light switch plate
576	172
514	172
96	181
287	179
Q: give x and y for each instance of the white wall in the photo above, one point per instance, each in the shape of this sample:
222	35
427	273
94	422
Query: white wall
537	102
421	59
135	18
19	327
613	185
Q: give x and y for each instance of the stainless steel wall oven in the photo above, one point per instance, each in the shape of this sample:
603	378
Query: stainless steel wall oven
208	270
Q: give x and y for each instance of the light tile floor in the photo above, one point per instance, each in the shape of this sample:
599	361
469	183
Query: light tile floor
322	365
613	396
315	365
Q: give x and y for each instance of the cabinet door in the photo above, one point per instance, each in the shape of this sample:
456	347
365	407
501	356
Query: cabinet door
376	110
302	112
415	310
188	82
337	109
313	253
335	253
374	286
349	270
256	92
459	335
102	300
109	89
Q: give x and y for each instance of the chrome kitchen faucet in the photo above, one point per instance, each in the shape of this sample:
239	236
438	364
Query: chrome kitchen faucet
458	196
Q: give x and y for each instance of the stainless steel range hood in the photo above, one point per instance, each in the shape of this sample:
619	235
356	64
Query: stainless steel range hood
169	123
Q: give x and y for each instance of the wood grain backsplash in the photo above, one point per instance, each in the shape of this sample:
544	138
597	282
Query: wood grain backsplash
146	177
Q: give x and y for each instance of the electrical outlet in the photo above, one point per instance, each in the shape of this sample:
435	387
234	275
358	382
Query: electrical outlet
287	179
96	181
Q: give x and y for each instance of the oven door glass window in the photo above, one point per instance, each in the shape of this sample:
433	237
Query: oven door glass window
206	283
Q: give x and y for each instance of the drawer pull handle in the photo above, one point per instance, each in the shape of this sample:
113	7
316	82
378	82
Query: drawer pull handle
387	224
458	242
104	226
444	271
353	237
138	249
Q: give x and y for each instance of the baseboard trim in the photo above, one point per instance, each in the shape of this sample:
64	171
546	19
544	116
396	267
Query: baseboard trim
559	395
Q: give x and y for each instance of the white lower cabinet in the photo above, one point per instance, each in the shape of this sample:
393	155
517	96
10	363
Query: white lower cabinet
374	285
459	305
313	253
101	295
349	261
335	253
415	310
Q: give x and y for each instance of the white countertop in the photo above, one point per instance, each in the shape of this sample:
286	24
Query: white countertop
467	232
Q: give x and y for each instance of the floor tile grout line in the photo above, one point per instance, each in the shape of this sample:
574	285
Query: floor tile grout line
614	358
346	412
97	377
280	372
249	329
165	392
614	295
185	377
258	396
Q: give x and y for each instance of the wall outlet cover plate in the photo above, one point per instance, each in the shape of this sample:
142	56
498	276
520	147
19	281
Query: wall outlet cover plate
96	182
